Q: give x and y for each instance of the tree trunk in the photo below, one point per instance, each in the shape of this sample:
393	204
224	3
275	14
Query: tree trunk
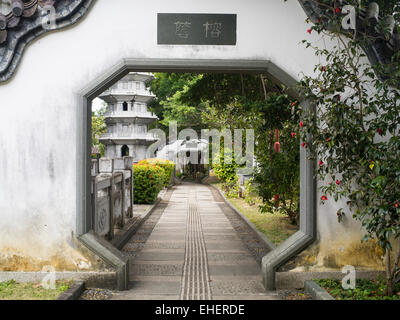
243	89
389	276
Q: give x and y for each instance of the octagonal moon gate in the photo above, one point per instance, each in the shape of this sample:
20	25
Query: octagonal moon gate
277	256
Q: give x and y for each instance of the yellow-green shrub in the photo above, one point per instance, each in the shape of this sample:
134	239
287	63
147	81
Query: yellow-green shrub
168	167
148	181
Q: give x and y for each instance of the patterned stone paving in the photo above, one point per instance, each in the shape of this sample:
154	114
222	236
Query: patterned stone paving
192	247
195	278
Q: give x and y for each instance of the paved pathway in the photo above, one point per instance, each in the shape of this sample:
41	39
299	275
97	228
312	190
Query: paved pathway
188	249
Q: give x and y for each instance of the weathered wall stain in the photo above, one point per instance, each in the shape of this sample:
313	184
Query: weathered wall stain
65	258
51	165
333	255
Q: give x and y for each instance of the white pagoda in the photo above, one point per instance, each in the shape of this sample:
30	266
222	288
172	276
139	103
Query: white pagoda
127	117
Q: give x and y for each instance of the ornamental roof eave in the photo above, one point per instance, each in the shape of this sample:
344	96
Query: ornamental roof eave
139	76
26	22
128	140
119	95
137	119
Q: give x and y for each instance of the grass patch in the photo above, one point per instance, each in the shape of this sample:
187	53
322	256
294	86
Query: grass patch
365	290
275	226
12	290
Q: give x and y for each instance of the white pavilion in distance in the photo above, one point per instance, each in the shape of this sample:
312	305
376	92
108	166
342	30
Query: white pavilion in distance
127	117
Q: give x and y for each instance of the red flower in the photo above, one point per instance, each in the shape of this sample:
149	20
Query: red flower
323	68
277	147
338	182
309	31
301	124
320	162
303	144
337	10
293	104
339	97
329	139
293	134
396	204
324	198
380	131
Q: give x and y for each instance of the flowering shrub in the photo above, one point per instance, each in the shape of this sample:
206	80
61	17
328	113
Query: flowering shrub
166	165
277	175
148	180
355	133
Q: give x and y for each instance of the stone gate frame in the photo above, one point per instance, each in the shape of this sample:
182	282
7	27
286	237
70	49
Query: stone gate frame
278	256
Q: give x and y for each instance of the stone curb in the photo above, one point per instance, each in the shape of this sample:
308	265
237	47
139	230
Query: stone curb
260	235
109	254
316	292
74	292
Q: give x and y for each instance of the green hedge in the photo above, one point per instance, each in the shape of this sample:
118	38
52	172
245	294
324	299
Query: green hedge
168	167
148	181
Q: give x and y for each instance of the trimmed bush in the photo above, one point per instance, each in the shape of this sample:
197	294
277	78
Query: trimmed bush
148	181
167	165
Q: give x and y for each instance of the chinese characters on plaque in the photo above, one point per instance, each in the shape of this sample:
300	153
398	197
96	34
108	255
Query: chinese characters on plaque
197	29
182	29
213	29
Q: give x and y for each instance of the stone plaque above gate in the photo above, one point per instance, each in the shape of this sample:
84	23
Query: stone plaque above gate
197	29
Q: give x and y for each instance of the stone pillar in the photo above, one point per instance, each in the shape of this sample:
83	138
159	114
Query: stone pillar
128	163
106	165
94	168
119	164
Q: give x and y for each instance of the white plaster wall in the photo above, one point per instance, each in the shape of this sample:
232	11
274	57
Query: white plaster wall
38	110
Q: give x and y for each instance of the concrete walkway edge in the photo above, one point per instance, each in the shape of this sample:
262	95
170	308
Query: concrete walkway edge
260	235
316	292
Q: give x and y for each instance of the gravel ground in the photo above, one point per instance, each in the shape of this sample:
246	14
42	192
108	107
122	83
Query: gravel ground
294	295
96	294
102	294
